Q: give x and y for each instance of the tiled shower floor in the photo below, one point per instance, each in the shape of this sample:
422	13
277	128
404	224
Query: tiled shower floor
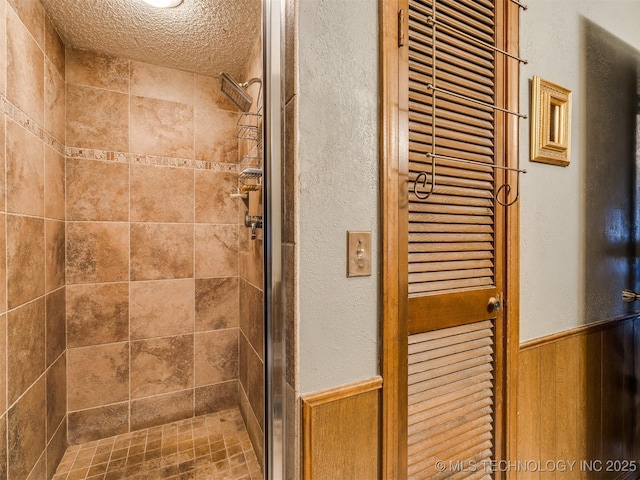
211	447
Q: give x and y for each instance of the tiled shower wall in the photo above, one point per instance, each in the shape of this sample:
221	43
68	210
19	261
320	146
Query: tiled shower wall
152	246
251	372
32	293
152	250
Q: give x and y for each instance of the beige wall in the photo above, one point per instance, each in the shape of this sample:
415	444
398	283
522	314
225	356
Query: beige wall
152	246
32	299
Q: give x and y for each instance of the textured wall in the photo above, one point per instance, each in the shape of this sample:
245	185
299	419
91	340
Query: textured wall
553	201
32	299
338	182
152	246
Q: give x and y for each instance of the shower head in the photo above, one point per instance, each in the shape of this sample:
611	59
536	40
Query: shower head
236	91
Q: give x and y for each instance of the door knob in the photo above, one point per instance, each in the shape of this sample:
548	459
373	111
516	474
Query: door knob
494	304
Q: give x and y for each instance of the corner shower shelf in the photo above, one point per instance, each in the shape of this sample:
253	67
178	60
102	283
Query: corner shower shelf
249	126
248	175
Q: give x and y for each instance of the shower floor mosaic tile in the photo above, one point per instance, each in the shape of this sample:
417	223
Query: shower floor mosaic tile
211	447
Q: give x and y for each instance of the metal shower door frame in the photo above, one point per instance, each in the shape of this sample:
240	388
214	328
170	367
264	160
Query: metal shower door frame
274	374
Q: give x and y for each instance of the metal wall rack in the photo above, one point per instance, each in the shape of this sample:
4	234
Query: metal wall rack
250	129
422	177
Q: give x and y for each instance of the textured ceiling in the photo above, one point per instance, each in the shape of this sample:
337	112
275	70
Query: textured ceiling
203	36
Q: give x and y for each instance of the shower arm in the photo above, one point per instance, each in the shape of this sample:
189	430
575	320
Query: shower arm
248	83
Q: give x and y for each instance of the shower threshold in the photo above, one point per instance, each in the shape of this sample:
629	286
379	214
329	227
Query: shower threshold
211	447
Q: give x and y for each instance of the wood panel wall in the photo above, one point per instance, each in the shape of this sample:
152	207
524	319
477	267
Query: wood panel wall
341	434
577	402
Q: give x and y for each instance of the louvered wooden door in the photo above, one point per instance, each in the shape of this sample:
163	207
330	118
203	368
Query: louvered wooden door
455	233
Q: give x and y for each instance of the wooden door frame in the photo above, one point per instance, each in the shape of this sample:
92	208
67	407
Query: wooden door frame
394	213
393	202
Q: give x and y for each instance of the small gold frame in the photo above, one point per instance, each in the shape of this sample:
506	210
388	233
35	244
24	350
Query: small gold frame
550	122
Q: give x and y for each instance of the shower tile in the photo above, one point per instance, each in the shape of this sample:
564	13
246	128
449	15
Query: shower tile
253	69
213	398
3	442
3	143
213	201
97	118
54	251
290	49
26	423
255	378
3	263
161	251
162	83
251	263
208	94
95	70
32	15
97	423
216	135
3	365
97	191
97	314
25	259
292	426
161	194
244	234
54	102
39	470
25	68
216	356
97	252
253	426
162	307
161	365
54	184
97	375
3	63
216	250
217	305
151	411
25	171
159	127
56	449
290	186
56	379
53	46
55	306
243	361
289	276
252	315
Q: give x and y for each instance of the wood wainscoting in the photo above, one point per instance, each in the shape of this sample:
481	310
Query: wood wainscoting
341	433
577	402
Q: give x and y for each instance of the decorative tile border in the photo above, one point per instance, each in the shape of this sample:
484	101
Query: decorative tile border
22	119
140	159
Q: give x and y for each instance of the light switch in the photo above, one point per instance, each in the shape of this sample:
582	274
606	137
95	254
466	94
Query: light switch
358	254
